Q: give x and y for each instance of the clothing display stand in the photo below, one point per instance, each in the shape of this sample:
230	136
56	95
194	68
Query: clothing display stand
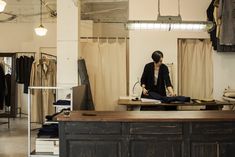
70	89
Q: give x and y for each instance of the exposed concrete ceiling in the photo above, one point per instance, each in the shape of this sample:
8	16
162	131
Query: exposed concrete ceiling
105	10
96	10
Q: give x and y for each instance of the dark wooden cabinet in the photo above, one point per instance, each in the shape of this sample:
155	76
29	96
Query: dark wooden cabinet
150	134
227	149
204	150
155	149
94	148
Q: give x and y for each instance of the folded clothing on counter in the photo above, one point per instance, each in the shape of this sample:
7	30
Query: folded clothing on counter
49	131
62	102
230	93
165	99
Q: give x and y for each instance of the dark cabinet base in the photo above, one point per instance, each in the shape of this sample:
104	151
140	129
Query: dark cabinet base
159	139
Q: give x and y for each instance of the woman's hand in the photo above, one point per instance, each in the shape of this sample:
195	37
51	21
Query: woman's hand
145	92
171	91
172	94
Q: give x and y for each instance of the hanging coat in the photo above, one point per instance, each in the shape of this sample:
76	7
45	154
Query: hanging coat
2	86
8	93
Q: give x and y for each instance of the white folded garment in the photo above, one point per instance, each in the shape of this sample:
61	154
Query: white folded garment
229	99
229	94
151	100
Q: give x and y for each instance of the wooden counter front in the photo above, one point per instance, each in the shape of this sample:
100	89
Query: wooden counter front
148	134
144	116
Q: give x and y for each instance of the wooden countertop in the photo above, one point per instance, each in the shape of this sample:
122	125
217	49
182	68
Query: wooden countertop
149	116
140	103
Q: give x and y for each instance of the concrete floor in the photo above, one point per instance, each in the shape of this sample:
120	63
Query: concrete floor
13	141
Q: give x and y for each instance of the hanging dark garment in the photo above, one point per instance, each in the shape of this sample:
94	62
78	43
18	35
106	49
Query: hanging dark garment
8	93
20	70
17	69
82	72
215	41
210	17
28	61
2	87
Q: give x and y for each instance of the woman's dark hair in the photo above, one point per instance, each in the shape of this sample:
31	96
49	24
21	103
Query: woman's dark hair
156	56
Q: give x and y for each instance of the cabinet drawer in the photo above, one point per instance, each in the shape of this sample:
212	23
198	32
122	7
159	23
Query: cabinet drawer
95	128
213	128
155	128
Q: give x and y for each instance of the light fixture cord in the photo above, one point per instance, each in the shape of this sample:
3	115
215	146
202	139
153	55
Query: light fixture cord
159	8
179	7
41	13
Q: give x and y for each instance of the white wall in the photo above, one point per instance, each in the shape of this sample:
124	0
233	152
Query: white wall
16	37
143	43
224	73
109	30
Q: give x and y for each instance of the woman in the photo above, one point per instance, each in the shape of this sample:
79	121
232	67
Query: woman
155	77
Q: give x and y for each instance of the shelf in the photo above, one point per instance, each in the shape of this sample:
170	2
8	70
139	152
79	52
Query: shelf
52	122
34	154
64	106
48	139
57	108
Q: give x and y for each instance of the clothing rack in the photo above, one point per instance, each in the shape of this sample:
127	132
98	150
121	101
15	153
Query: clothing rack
46	54
25	53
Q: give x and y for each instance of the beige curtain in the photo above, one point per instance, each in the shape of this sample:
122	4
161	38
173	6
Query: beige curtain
106	65
195	68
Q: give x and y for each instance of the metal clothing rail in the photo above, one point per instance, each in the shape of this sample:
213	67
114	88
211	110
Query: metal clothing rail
46	54
25	53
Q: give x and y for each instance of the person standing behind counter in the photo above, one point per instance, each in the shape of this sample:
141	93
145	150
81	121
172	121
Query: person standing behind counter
155	77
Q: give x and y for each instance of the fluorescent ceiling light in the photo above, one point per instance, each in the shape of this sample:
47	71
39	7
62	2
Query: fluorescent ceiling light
169	23
169	26
2	5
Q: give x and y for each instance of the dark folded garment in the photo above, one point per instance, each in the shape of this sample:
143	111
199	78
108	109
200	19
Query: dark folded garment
165	99
51	117
62	102
51	130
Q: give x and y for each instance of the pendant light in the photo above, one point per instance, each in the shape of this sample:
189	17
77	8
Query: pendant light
41	31
2	5
169	23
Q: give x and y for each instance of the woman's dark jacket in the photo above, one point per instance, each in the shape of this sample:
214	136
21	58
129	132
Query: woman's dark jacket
162	82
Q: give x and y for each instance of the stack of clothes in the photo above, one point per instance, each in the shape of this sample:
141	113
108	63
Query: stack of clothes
49	131
229	95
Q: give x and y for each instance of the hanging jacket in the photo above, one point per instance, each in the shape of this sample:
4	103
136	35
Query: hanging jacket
2	86
8	93
162	82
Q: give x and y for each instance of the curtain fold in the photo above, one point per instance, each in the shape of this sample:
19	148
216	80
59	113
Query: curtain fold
195	68
106	65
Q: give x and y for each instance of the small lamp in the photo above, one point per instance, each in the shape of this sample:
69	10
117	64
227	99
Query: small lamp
41	31
2	5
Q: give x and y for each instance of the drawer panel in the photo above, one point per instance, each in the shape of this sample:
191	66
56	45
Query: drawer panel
155	128
213	128
96	128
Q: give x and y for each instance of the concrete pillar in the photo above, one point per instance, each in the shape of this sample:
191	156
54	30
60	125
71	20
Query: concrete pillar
68	19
